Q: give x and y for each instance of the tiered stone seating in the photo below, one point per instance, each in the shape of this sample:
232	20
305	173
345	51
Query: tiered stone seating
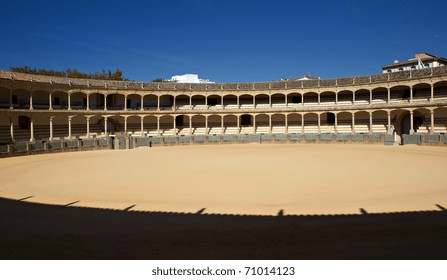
424	129
215	130
230	106
200	131
344	128
200	107
310	128
379	128
294	129
231	130
277	129
262	106
361	128
247	130
262	130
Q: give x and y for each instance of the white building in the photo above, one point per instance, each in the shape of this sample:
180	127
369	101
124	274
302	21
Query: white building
189	79
420	61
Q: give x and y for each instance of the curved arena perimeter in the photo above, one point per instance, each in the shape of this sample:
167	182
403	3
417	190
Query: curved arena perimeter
41	114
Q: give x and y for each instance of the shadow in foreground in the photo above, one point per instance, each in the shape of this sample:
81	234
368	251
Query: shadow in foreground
38	231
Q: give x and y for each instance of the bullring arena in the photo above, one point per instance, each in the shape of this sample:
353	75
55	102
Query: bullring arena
346	147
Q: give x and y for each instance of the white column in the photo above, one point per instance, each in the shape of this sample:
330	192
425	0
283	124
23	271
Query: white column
238	123
270	124
353	97
10	99
125	125
105	102
432	90
302	124
336	123
432	122
32	130
336	98
411	123
411	94
50	97
237	99
270	101
371	96
206	125
158	126
318	95
254	101
222	101
221	125
319	118
175	128
370	122
51	128
389	95
69	127
105	126
125	102
31	101
190	102
88	102
190	125
353	123
173	108
286	123
286	100
88	126
142	103
11	128
254	124
158	103
389	122
141	125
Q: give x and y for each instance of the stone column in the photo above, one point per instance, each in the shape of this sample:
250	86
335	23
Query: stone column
336	123
432	90
270	101
10	99
190	125
302	124
318	95
51	128
50	101
411	94
238	105
238	124
336	98
371	96
142	125
125	103
31	100
69	126
370	122
254	101
270	124
353	97
158	103
88	126
353	123
432	122
221	125
31	130
88	102
11	129
319	118
125	125
286	123
173	107
105	126
69	101
158	126
142	103
411	123
190	102
206	125
174	126
389	122
222	101
389	95
105	102
254	124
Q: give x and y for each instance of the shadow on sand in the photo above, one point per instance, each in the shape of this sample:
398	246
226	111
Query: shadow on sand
39	231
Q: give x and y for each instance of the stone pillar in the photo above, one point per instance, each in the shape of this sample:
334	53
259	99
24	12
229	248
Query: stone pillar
353	97
158	103
10	99
11	129
105	102
270	124
190	102
319	118
270	101
190	125
389	122
411	94
88	102
318	95
125	103
302	124
175	127
31	101
286	100
254	101
221	125
51	128
69	101
206	101
389	95
432	122
142	103
371	96
254	124
411	123
50	101
141	125
222	101
125	125
69	126
238	123
286	123
370	122
158	126
31	126
336	99
105	126
173	105
206	124
88	126
238	105
336	123
432	90
353	123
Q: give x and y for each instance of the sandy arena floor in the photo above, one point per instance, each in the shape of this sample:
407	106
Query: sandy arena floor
236	179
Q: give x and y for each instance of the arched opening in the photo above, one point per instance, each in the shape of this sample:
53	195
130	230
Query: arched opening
214	101
440	118
379	121
96	101
4	97
278	124
22	132
345	97
310	99
134	125
230	124
262	101
59	100
166	102
422	124
327	122
78	101
246	101
361	97
215	125
150	102
199	125
278	100
327	98
246	124
150	125
115	124
344	122
405	122
440	90
379	95
198	102
262	124
182	102
115	101
421	92
79	126
230	102
167	126
21	98
294	122
361	122
399	94
41	99
133	102
293	99
310	123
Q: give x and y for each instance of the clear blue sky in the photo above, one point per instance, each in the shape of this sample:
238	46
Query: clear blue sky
225	41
